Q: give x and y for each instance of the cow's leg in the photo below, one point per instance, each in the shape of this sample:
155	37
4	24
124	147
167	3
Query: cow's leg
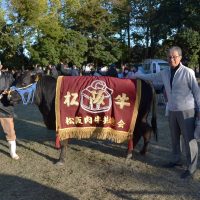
146	137
130	148
132	143
63	152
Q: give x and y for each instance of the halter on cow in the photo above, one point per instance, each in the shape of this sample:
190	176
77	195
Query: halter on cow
44	98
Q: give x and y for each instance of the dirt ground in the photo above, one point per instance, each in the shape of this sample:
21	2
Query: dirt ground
95	170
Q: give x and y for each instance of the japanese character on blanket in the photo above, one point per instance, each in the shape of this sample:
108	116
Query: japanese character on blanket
96	107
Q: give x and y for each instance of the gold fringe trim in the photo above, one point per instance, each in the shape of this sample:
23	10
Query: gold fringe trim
136	107
100	133
57	102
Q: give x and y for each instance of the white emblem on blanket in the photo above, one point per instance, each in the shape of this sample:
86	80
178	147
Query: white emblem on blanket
96	98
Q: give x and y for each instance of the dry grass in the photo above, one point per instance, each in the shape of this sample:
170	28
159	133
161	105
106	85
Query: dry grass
94	169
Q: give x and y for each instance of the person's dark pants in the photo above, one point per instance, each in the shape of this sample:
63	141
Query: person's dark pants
183	122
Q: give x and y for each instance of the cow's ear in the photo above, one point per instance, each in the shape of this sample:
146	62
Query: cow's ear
34	77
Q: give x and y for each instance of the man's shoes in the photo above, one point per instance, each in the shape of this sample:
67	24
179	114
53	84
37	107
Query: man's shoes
187	174
172	165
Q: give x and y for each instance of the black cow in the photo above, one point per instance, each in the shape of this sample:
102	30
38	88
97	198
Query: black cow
44	98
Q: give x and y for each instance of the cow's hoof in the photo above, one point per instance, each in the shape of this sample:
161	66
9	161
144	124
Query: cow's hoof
60	163
129	156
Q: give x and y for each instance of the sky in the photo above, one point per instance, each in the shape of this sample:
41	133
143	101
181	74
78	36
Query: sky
3	4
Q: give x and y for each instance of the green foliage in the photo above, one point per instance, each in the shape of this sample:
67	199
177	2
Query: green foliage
189	40
72	47
28	12
46	51
95	23
10	49
98	31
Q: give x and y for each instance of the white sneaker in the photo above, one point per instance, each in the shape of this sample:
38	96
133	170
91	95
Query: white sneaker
12	147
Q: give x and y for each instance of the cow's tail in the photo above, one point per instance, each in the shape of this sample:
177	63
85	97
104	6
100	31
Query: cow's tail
154	115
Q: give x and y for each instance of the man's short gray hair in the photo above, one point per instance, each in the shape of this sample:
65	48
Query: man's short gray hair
175	48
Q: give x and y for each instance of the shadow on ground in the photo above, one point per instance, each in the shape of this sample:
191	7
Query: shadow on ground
28	190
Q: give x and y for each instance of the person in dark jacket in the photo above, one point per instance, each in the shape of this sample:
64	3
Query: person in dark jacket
112	71
65	70
7	113
74	71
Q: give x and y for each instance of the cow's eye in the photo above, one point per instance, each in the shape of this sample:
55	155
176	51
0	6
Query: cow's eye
23	84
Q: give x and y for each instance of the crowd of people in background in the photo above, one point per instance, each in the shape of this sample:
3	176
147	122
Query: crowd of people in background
64	69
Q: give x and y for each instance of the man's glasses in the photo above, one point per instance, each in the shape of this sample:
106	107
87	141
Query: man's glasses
172	57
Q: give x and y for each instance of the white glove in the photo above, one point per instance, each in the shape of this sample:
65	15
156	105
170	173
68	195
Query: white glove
197	130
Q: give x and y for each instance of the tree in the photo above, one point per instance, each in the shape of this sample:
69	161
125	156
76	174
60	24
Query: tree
95	22
37	24
123	10
10	50
99	31
189	40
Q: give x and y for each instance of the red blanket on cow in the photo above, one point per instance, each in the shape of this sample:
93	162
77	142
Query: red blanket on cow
96	107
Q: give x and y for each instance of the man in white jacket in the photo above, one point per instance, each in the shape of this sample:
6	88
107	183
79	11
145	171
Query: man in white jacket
183	96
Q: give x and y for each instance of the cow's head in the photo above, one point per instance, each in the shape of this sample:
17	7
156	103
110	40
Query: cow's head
24	79
18	92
